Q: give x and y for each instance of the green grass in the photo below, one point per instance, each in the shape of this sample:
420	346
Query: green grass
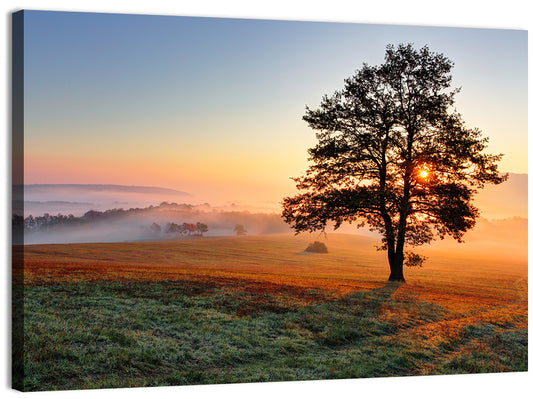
106	334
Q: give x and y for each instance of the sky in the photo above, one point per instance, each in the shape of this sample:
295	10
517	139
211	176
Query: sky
214	106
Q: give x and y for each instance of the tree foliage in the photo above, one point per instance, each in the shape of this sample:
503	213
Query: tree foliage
186	228
239	230
394	155
201	228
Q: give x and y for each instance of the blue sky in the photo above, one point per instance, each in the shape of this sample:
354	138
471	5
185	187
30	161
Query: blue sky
208	105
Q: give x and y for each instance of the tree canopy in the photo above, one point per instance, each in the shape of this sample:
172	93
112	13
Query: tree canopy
239	230
394	155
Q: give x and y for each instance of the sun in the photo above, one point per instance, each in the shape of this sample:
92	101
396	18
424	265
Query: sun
423	174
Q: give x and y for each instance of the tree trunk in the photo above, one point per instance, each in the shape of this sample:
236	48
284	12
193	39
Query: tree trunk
396	267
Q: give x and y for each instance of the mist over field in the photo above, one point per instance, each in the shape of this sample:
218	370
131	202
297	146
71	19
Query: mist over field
502	225
134	224
492	238
503	201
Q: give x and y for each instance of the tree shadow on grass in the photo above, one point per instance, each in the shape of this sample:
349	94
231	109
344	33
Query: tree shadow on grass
360	315
371	300
348	319
384	293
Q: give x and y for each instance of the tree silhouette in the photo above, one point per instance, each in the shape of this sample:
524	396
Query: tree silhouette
155	228
392	154
239	230
201	228
173	228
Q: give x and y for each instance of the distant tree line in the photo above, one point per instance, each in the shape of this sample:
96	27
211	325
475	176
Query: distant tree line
48	221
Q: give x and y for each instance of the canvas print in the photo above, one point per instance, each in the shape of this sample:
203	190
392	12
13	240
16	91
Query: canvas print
216	200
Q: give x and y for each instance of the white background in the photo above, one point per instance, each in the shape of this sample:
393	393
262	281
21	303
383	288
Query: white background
510	14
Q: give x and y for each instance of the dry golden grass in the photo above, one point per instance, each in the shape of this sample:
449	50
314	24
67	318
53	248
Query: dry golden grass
455	281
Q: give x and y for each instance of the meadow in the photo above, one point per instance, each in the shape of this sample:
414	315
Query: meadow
258	308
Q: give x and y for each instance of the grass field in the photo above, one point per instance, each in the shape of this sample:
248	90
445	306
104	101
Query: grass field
244	309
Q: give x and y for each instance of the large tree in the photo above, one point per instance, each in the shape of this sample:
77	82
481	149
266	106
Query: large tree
394	155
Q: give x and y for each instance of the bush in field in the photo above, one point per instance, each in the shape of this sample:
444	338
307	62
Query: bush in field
318	247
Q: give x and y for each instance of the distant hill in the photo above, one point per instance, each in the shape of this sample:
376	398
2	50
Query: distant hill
77	199
47	188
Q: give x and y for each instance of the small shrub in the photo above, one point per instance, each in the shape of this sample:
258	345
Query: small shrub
318	247
414	260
